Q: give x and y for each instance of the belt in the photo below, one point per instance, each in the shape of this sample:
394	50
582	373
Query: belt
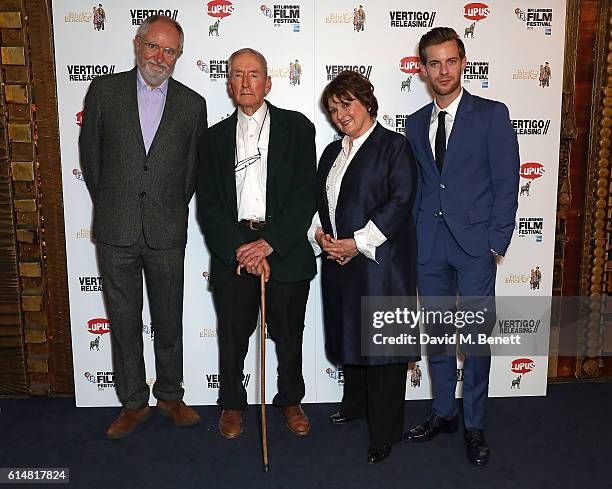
252	225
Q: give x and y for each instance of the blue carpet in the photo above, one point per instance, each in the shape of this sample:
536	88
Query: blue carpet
560	441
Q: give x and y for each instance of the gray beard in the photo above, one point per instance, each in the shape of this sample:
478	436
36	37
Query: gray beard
153	79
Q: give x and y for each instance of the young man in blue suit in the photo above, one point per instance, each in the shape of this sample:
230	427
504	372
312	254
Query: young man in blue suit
465	209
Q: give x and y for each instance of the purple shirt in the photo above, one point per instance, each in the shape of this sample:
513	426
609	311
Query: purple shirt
151	104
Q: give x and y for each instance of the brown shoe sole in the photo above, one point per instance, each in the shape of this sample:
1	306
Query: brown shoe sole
124	434
181	424
231	437
298	433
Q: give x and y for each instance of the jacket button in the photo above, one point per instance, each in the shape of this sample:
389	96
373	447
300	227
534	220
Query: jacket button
442	186
143	194
436	214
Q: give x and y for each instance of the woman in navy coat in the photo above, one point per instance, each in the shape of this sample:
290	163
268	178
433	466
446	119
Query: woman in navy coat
364	229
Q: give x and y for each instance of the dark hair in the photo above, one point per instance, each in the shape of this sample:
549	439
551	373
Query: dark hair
439	35
350	85
151	19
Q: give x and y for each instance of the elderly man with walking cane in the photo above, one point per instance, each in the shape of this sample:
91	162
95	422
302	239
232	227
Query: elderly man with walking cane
255	193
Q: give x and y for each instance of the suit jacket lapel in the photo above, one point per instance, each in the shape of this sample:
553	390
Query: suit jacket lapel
276	145
132	108
169	116
227	151
460	128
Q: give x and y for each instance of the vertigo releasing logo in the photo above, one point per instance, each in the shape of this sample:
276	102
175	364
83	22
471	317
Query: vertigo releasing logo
138	15
214	382
533	18
86	73
477	71
403	18
531	127
91	284
334	70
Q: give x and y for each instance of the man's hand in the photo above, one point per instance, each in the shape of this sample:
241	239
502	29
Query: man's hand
341	250
262	267
322	239
251	255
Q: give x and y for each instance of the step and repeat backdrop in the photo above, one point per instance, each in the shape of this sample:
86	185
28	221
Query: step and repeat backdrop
515	54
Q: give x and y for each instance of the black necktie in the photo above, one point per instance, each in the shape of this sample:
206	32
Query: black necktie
440	141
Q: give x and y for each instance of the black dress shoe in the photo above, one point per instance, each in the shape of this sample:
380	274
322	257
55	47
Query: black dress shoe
433	426
338	418
477	447
378	455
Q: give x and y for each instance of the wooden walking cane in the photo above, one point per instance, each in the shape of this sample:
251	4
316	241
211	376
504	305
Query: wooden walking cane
262	370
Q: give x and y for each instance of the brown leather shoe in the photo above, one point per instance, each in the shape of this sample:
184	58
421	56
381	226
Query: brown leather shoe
126	422
230	423
182	414
297	421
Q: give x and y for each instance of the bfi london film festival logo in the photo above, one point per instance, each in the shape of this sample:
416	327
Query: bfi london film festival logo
215	69
414	18
520	366
531	127
283	15
357	18
78	174
397	122
97	17
477	71
536	18
97	327
86	73
336	375
474	12
218	10
139	15
148	330
104	380
530	227
410	66
334	70
213	381
415	375
530	171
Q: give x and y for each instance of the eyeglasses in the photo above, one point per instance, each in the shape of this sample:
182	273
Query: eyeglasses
152	48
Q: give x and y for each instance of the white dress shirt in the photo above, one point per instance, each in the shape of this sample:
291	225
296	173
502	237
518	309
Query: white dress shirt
449	120
252	136
368	238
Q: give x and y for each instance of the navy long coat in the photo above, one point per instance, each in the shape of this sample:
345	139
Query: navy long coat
379	185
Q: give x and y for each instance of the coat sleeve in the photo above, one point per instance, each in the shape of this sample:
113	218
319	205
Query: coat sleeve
200	126
290	226
504	160
221	234
391	215
90	138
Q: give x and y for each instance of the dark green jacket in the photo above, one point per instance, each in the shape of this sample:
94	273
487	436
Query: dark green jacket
290	196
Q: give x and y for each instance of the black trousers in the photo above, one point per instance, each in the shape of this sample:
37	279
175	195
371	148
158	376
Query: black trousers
237	305
378	393
121	268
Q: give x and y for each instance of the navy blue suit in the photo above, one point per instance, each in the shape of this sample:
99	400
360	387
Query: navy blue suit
461	215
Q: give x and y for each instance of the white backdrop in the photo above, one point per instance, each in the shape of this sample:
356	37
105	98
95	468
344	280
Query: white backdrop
505	48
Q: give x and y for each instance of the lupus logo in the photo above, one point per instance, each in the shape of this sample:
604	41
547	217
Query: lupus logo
78	174
530	226
220	8
521	366
476	12
98	326
139	15
536	18
402	18
411	66
79	118
396	122
85	73
283	15
334	70
337	375
477	71
531	127
530	171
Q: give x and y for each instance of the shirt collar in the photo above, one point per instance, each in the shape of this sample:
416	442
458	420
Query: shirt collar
259	115
357	142
451	110
142	85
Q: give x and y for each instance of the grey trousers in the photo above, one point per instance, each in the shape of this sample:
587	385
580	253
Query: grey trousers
121	268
